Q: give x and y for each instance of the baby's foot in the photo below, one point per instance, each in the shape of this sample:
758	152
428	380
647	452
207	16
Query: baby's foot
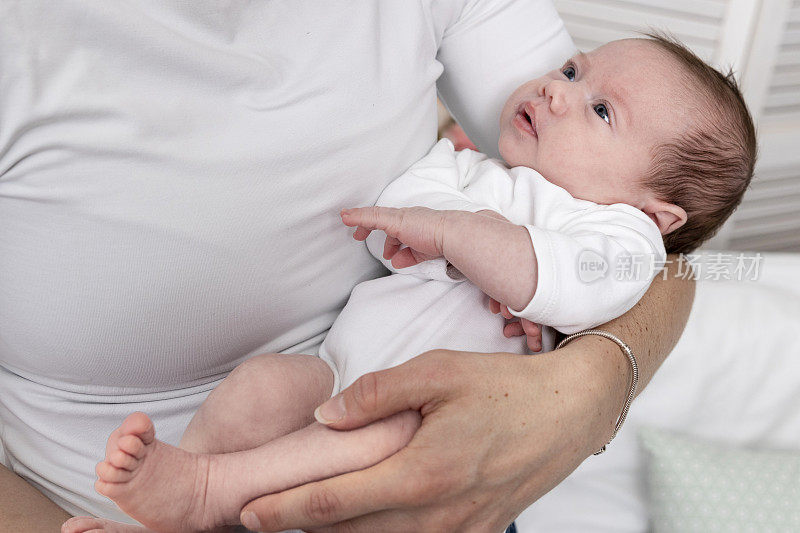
89	524
163	487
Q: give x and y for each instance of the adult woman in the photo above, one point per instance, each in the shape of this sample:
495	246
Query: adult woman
162	161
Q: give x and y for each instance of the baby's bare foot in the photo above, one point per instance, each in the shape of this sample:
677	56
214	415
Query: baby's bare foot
172	490
89	524
163	487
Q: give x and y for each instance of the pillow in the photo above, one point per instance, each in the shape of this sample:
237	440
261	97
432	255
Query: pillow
697	485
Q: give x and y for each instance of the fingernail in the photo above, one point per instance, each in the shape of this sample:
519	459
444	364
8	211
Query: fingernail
250	521
331	411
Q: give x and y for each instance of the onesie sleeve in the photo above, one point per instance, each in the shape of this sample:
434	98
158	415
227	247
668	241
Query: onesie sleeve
593	264
441	180
491	48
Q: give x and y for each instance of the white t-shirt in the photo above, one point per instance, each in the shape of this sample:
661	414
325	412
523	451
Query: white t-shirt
161	160
594	262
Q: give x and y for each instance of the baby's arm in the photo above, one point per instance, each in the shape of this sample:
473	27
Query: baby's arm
531	269
531	264
494	254
521	326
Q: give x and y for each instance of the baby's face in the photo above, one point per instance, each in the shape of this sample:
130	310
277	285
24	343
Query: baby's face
591	126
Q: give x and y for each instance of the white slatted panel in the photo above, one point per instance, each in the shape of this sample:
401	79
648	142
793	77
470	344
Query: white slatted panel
783	94
769	218
697	23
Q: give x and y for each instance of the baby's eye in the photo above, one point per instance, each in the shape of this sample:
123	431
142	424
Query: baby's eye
569	72
602	112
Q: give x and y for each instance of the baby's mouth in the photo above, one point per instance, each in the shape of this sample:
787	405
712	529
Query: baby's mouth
526	119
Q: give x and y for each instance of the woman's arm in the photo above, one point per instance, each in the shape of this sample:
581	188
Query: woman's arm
23	508
651	328
498	430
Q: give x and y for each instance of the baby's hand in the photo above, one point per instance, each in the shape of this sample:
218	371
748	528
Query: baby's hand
419	228
493	214
531	330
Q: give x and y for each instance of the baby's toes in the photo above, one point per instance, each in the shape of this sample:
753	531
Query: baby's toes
109	490
132	445
111	443
139	424
120	459
81	524
111	474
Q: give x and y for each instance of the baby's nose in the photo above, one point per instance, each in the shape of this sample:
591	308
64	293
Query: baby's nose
560	93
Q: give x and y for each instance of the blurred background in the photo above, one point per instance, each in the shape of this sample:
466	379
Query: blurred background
760	39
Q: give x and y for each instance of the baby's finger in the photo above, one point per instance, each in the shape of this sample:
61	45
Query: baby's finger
531	329
390	247
409	257
535	344
361	233
505	312
513	329
494	306
404	258
374	217
533	332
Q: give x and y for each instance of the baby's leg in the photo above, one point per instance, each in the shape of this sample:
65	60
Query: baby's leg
170	489
263	398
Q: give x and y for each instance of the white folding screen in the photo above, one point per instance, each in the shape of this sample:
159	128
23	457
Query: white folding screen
769	217
783	90
698	23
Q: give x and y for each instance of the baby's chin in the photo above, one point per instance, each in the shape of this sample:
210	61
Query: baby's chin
511	153
506	151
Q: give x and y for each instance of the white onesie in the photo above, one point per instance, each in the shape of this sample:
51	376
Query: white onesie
594	263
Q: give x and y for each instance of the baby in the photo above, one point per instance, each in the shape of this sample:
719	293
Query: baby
626	153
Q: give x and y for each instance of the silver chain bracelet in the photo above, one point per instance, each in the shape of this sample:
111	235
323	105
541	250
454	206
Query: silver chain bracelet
634	382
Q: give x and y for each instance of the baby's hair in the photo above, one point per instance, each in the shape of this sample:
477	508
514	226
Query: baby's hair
707	169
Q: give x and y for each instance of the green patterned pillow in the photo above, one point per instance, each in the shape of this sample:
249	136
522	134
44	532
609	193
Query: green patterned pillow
700	486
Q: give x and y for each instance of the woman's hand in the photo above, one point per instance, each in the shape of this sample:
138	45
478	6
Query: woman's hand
498	431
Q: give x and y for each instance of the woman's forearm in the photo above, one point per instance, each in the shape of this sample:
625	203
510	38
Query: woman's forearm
23	508
651	328
494	254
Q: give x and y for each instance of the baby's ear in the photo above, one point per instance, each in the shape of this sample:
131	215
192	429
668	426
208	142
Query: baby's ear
668	217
